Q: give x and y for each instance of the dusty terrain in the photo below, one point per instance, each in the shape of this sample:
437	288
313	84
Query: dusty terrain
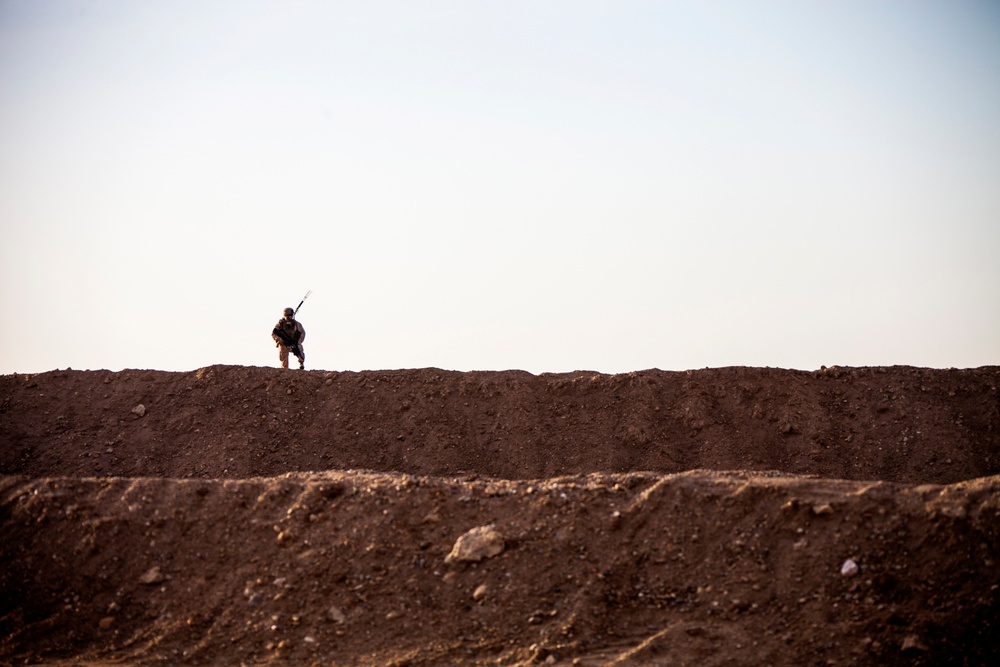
736	516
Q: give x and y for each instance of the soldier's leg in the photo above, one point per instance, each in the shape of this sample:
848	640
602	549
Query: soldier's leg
301	355
283	356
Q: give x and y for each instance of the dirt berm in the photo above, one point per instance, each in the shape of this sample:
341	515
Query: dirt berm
735	516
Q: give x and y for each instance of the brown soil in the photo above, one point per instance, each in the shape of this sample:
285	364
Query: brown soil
238	515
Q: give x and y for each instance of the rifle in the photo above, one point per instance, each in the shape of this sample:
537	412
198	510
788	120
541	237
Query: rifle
287	340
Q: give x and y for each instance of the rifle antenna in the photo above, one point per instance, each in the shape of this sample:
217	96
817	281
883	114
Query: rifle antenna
301	302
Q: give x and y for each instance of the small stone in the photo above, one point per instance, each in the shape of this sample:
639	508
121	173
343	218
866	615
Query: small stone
849	568
480	592
477	544
953	512
913	643
139	410
334	614
822	510
540	616
539	653
107	622
152	576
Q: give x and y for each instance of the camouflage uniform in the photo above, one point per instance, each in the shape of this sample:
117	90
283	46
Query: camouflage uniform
291	330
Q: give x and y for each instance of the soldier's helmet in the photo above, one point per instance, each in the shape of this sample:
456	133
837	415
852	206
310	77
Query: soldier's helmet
289	311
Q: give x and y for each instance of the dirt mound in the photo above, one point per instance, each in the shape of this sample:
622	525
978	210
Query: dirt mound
257	516
892	424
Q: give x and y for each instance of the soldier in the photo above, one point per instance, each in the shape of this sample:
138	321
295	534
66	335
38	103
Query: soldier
289	335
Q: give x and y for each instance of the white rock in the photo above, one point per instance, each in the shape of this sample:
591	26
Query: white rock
477	544
849	568
139	410
912	642
152	576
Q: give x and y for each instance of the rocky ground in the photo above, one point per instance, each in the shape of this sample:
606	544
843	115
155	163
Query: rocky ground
732	516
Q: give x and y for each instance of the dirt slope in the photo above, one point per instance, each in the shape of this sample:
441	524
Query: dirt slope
714	517
892	424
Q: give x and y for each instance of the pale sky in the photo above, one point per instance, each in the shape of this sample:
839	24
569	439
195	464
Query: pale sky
546	186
